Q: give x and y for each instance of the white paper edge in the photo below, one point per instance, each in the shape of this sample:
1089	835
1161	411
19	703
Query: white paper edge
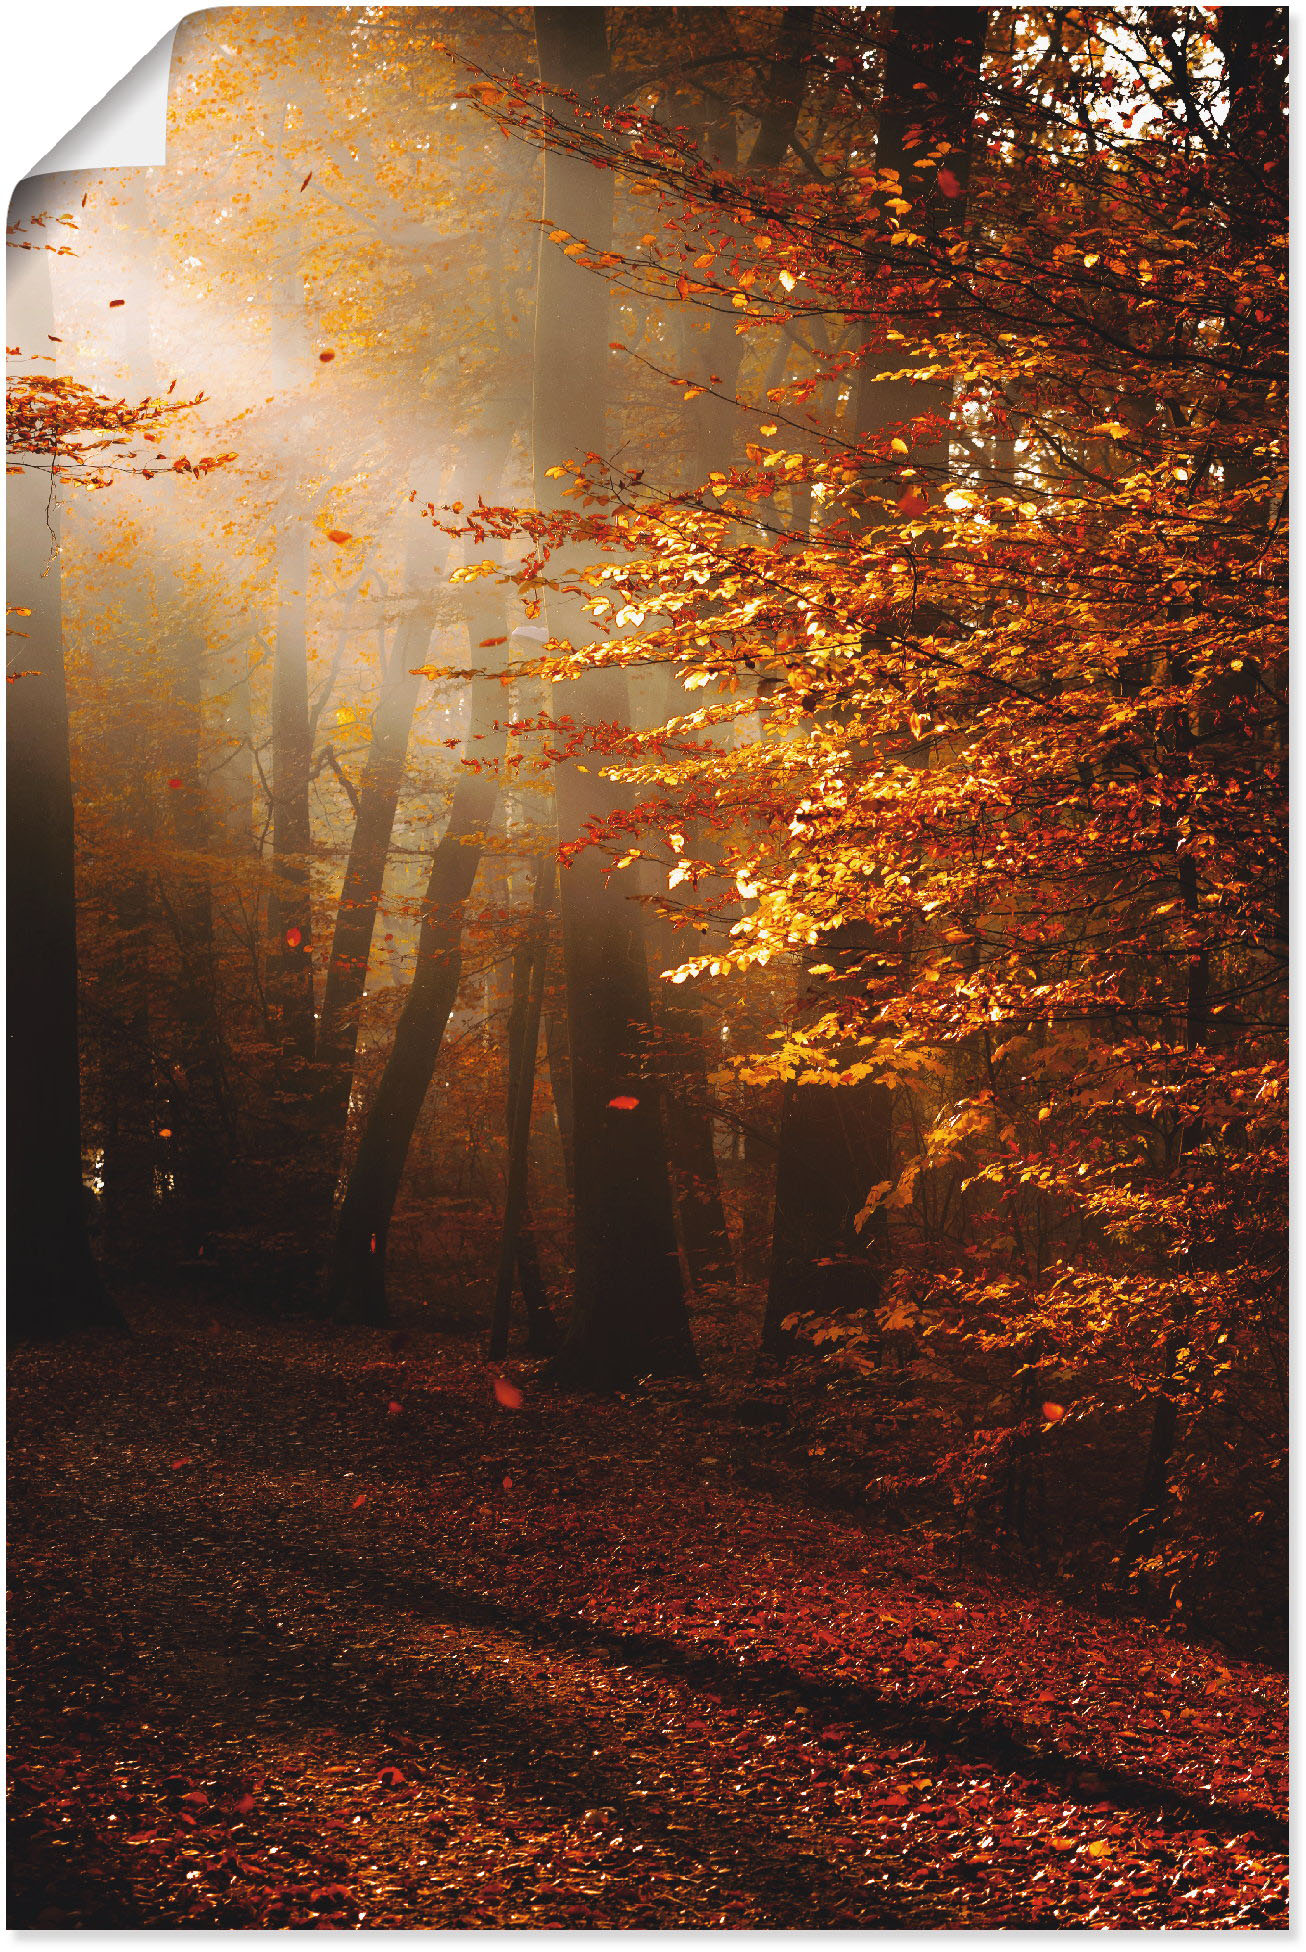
128	129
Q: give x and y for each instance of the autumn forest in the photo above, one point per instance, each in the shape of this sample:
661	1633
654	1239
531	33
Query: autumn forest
647	916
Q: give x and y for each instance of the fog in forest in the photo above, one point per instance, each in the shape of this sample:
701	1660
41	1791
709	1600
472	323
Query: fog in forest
647	779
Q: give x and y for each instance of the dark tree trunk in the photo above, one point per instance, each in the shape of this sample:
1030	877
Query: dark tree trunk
360	897
558	1053
629	1314
54	1284
290	911
836	1141
204	1143
700	1210
530	967
356	1288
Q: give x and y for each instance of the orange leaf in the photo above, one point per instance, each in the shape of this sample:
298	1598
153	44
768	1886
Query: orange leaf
293	938
339	535
622	1104
508	1393
1054	1412
912	502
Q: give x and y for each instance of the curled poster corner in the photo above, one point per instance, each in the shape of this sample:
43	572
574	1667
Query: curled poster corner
127	129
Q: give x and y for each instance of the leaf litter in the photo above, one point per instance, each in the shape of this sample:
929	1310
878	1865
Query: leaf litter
453	1670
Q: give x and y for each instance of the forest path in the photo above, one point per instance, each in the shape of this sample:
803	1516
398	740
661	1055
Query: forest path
307	1629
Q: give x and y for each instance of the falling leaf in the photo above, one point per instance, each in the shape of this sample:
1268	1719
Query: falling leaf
114	302
307	180
178	1462
326	357
622	1104
165	1131
175	785
394	1409
507	1484
339	535
948	184
508	1393
1054	1412
788	280
913	501
361	1499
391	1777
899	446
293	938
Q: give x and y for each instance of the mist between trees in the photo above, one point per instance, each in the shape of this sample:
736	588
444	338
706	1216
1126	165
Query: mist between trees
651	686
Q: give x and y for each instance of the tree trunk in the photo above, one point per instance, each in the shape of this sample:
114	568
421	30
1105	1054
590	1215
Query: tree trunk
700	1210
360	897
836	1141
356	1289
530	967
629	1314
54	1282
290	910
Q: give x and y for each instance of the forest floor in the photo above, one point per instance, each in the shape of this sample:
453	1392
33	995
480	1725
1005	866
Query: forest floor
309	1628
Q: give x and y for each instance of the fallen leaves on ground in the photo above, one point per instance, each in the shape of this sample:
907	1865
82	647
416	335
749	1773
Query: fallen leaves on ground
453	1669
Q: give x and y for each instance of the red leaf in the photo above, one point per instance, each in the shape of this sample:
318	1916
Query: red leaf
325	357
361	1499
948	183
508	1393
293	938
116	301
177	1463
507	1484
175	784
394	1409
339	535
1054	1412
622	1104
391	1776
243	1804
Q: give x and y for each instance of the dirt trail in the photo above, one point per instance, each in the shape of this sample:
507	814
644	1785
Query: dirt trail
305	1632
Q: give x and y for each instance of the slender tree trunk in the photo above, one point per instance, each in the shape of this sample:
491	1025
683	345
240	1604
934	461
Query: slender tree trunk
1253	41
360	897
356	1289
231	780
700	1210
54	1284
530	966
557	1052
836	1141
290	910
629	1311
206	1141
